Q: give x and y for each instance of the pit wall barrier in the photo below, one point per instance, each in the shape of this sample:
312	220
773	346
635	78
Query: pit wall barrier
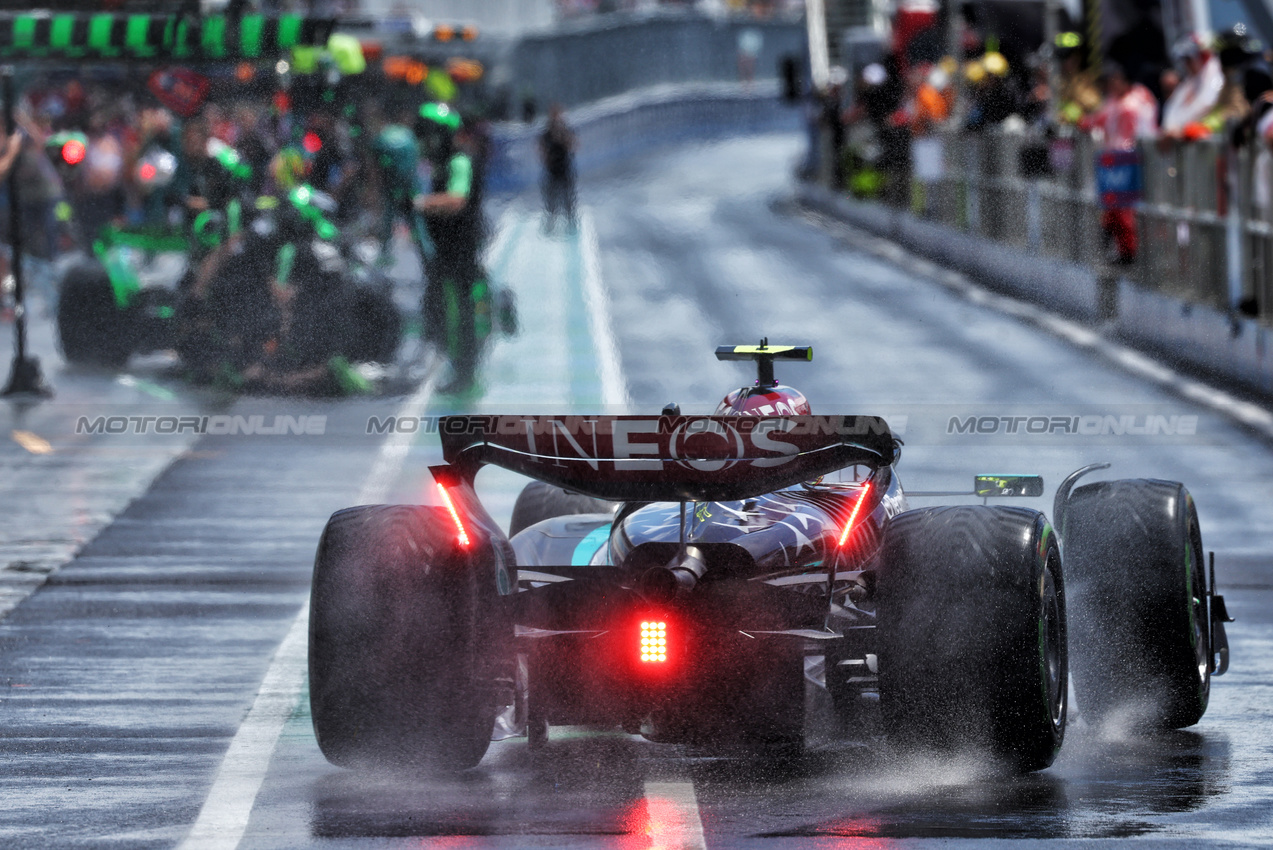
639	123
1200	337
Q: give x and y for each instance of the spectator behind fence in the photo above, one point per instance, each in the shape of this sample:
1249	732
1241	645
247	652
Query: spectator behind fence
1198	93
832	126
883	97
1168	82
929	99
1262	196
994	93
1079	94
1128	114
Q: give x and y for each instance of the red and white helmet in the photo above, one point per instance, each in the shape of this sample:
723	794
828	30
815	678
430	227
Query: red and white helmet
766	397
777	400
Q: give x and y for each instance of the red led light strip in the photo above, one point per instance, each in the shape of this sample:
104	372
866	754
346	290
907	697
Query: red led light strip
853	517
461	535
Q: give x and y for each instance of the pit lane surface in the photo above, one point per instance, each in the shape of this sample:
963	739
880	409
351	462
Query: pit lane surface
127	679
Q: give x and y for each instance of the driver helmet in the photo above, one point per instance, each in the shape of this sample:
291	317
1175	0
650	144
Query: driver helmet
776	400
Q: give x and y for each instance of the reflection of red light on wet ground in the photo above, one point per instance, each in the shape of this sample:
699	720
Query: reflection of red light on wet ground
665	825
667	819
851	834
451	842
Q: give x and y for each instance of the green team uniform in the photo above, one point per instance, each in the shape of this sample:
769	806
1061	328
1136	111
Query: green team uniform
397	156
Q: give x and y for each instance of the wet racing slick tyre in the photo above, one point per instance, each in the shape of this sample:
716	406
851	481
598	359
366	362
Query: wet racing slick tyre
92	329
539	501
972	649
377	327
409	650
1138	594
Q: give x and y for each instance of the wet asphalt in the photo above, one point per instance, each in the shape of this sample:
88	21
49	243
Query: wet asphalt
129	673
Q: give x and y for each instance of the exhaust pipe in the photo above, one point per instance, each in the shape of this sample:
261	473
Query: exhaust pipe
678	577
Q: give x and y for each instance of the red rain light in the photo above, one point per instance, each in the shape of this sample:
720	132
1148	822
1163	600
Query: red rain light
461	535
73	152
147	171
311	143
853	517
653	642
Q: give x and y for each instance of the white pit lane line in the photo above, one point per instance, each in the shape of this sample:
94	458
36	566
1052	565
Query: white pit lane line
224	817
225	813
672	821
613	388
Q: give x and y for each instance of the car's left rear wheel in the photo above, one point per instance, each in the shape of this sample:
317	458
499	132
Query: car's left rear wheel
408	647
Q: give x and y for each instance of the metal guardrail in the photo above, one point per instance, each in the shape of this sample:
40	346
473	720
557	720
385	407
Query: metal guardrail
607	56
1205	219
639	122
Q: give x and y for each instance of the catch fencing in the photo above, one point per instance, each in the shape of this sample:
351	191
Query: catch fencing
640	123
1205	217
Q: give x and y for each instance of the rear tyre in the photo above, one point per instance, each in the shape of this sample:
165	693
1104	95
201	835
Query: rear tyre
408	649
539	501
1139	596
93	331
971	608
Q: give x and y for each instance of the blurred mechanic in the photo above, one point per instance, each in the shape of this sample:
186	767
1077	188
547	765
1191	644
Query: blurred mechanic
396	153
12	146
301	349
557	154
213	179
453	217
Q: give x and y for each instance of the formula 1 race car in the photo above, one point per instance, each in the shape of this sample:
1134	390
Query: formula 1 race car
672	575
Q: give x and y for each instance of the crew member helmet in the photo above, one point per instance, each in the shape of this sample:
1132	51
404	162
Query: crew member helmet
436	126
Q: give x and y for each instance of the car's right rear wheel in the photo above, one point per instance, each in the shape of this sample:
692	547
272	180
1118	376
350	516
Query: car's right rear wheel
1139	592
971	612
539	501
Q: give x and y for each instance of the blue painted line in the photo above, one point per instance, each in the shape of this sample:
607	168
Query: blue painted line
585	384
506	254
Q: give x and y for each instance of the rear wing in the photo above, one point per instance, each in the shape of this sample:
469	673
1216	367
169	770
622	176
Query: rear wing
667	458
